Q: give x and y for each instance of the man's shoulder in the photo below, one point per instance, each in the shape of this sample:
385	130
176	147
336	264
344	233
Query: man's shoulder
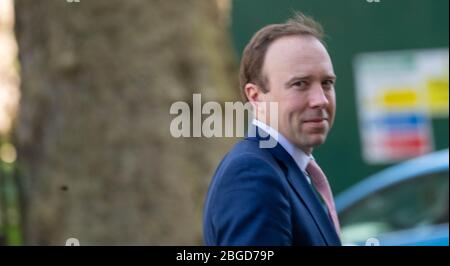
248	166
246	159
247	149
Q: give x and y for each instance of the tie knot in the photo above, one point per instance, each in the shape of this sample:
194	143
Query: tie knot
315	171
312	164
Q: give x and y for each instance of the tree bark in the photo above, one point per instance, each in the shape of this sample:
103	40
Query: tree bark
96	156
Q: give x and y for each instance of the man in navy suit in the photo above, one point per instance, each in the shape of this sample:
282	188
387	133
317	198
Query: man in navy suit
279	195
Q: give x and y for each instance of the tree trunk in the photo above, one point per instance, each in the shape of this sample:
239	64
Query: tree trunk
96	156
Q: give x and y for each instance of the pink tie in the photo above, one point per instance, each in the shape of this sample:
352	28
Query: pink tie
323	187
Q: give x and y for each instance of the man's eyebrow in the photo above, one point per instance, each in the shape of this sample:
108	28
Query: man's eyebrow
332	76
296	78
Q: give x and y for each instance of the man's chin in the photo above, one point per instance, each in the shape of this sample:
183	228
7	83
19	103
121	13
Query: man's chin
314	140
307	145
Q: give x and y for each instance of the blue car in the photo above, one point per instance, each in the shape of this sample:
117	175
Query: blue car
404	205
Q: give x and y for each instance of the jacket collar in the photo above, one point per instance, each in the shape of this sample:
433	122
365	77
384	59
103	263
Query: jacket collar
303	190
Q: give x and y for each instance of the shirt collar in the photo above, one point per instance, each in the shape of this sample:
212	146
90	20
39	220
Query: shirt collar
300	157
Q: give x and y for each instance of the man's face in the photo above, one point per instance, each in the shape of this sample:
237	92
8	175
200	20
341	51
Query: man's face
301	79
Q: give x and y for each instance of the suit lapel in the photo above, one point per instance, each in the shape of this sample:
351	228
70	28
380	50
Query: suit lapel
304	191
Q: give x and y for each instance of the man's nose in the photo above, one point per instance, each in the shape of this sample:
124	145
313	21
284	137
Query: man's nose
317	97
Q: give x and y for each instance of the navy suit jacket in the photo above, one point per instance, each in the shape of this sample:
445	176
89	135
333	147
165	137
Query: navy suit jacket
260	197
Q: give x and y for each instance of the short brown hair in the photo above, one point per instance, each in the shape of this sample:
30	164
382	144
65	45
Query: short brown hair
253	56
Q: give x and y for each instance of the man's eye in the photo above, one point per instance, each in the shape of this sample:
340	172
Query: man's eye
299	83
328	83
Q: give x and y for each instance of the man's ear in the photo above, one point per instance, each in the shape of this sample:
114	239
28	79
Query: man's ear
256	99
252	91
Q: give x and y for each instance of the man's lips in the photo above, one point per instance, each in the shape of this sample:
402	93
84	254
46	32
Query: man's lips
315	120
